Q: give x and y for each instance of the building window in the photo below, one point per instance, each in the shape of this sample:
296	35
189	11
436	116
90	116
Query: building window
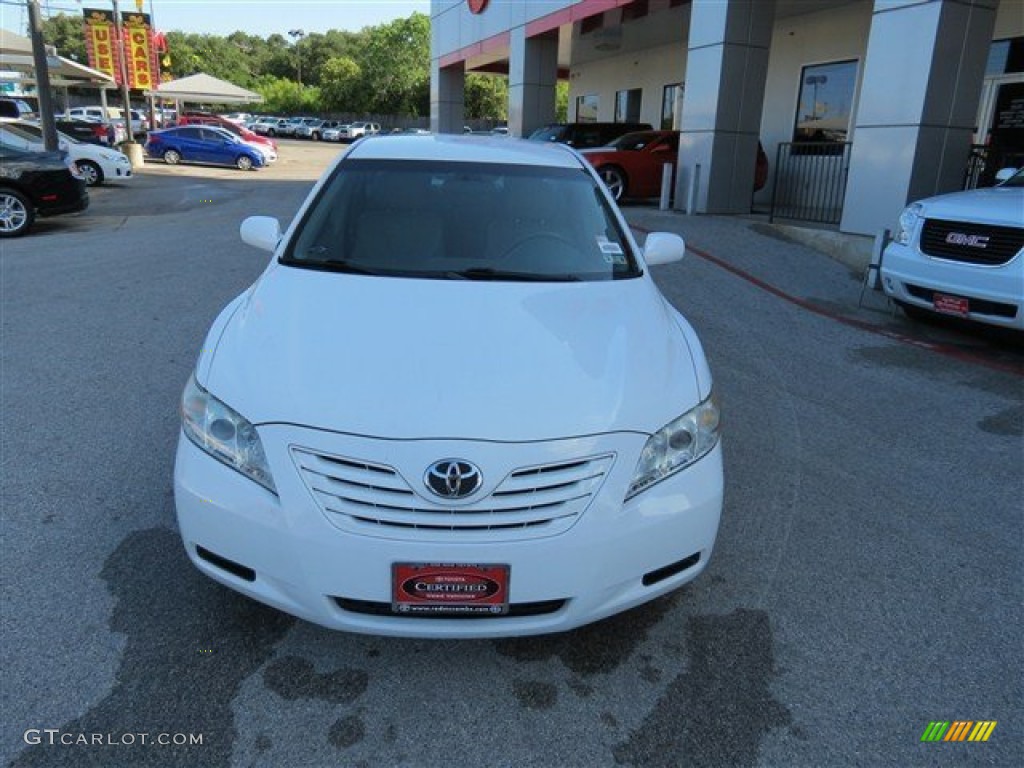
826	102
1005	56
671	106
627	105
586	108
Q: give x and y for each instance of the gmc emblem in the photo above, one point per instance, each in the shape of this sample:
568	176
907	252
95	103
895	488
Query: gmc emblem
972	241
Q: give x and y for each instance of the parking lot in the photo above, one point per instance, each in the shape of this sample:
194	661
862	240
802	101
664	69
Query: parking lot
866	579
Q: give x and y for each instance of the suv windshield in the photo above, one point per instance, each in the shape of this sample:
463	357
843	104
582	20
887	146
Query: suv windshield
634	141
462	221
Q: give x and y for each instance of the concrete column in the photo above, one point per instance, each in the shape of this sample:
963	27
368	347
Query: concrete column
532	74
447	97
726	68
918	102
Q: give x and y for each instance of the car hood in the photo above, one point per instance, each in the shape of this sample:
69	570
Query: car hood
994	205
404	358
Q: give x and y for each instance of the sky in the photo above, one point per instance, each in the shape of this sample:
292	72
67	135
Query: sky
255	17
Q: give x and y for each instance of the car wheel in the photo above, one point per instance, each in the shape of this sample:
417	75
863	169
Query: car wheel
271	132
16	213
244	163
315	136
614	179
92	172
172	157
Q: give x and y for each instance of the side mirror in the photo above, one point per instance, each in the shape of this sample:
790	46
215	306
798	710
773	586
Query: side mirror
263	232
1004	173
663	248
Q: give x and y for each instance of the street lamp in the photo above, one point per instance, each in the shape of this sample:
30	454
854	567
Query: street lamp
297	35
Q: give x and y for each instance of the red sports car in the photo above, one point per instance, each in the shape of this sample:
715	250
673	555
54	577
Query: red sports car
631	165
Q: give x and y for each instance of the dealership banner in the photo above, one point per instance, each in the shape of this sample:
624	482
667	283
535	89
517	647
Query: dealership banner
139	51
101	42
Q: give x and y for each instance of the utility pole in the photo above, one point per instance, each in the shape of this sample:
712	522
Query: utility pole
42	77
125	95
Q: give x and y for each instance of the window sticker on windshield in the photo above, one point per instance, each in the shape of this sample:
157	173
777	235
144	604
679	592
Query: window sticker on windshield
612	252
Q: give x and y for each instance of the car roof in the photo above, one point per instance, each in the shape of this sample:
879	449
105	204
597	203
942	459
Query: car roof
464	149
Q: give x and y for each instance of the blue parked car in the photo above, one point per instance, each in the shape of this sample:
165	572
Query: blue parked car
202	144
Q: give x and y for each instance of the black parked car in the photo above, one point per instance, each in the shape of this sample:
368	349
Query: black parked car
37	184
583	135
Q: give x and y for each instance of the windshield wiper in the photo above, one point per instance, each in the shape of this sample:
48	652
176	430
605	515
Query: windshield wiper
489	273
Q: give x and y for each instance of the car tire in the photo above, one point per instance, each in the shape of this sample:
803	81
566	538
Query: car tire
91	171
314	136
172	157
615	179
16	213
243	163
271	132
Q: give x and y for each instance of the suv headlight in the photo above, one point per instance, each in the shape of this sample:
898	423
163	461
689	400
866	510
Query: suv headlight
224	434
908	223
677	445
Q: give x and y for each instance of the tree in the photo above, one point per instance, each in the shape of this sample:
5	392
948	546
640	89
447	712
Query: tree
67	33
395	60
486	97
341	83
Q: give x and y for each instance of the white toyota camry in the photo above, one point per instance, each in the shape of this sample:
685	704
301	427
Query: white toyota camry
455	404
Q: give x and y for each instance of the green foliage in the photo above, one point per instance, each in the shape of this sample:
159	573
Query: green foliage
395	63
486	97
67	34
562	101
282	96
341	84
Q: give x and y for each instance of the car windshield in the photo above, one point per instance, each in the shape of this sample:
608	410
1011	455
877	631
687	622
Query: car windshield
462	221
633	141
1017	180
548	133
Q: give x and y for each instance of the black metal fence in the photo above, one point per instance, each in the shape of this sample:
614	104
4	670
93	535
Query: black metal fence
810	181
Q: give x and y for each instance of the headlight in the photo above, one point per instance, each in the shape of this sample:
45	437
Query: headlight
908	222
224	434
677	445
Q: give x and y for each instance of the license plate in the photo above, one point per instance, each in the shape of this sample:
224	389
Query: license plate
950	305
449	589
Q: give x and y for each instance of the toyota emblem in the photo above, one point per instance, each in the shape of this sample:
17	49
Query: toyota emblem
453	478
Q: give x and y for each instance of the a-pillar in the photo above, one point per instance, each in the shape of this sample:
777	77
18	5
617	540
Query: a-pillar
532	75
918	102
447	97
726	68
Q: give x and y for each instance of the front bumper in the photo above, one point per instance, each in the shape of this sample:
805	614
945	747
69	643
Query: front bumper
284	551
995	293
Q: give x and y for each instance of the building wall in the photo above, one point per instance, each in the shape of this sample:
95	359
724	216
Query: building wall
837	34
650	70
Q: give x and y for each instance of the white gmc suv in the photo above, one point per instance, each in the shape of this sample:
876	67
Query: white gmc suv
962	254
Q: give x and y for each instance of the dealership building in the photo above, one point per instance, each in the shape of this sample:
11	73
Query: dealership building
860	105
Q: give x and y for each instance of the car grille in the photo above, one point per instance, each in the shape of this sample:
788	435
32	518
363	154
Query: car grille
375	498
983	244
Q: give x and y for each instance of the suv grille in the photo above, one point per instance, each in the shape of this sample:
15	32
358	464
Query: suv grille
538	501
983	244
